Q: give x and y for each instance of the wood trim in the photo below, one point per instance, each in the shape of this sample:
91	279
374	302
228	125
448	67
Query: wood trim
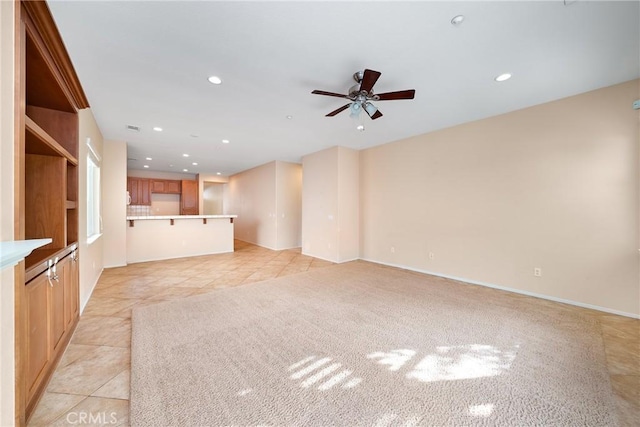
20	329
40	14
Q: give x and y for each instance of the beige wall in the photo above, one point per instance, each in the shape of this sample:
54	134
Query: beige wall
91	254
212	198
7	323
288	204
213	178
114	206
267	202
348	204
252	196
553	186
160	175
330	214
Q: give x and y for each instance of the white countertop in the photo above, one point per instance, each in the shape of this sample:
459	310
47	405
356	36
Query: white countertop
13	252
182	217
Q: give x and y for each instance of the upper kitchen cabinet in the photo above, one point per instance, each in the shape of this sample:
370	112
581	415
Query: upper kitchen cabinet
166	186
139	190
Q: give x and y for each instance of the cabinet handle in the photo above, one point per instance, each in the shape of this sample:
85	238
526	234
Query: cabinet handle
51	271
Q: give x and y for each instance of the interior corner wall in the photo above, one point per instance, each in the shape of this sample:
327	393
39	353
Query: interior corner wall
114	203
7	181
348	204
554	186
252	196
90	254
330	204
288	204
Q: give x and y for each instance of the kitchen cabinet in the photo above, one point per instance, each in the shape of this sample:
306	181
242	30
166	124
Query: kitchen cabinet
189	198
47	99
165	186
139	190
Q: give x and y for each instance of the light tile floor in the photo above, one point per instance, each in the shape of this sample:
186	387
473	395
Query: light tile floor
92	379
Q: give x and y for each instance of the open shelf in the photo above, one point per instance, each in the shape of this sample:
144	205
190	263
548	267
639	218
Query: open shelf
37	141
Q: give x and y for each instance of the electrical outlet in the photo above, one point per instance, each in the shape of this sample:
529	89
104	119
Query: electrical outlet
432	255
393	249
537	272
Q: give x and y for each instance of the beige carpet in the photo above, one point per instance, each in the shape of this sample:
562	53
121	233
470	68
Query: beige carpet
363	345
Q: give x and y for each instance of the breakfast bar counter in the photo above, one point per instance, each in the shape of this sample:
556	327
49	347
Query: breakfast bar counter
153	238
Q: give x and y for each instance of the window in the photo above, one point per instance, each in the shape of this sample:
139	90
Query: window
93	194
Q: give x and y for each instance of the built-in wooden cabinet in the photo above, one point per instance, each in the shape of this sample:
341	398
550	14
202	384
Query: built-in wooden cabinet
51	310
189	198
139	190
166	186
46	187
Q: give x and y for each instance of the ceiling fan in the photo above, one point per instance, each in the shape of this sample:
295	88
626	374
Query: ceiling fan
361	95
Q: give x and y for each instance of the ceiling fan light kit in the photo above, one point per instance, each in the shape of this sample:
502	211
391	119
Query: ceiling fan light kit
361	95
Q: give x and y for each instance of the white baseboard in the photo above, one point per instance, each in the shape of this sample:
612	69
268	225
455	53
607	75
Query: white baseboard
504	288
116	265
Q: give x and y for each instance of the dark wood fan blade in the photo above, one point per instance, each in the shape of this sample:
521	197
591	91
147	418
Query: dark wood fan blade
401	94
322	92
339	110
375	115
369	78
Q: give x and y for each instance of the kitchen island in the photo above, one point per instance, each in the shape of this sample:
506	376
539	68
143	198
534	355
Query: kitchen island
153	238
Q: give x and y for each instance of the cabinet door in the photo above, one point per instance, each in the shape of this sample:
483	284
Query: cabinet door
132	188
70	291
144	192
189	198
75	287
58	321
158	186
38	348
172	187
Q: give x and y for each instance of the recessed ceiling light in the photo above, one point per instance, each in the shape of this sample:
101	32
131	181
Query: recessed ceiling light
360	128
157	129
225	141
218	173
185	170
194	164
185	155
457	20
503	77
289	117
215	80
149	158
146	166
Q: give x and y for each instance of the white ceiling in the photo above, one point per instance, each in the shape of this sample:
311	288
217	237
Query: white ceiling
146	64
